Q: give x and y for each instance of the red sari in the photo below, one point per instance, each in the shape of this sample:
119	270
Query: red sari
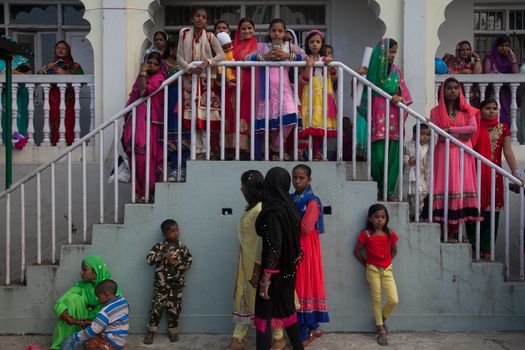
54	105
241	49
490	145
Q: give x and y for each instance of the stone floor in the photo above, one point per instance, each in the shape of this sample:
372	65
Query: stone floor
330	341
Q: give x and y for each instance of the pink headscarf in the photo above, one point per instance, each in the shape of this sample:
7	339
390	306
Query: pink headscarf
439	114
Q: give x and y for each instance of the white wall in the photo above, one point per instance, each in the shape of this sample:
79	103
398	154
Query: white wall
459	22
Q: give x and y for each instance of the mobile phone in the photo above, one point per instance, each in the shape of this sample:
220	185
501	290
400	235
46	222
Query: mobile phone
61	64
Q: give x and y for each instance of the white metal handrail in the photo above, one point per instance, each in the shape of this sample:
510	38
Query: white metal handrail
177	80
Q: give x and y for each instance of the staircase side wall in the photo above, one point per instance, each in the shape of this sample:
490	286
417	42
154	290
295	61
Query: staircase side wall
439	287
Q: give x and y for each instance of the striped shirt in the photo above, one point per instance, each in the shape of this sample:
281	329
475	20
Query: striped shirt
112	321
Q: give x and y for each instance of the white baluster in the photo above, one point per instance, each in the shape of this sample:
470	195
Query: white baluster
31	114
91	87
14	108
513	109
467	87
76	89
47	126
497	89
482	89
53	213
436	92
38	219
62	122
22	233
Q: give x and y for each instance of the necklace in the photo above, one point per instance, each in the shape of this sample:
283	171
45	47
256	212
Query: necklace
452	115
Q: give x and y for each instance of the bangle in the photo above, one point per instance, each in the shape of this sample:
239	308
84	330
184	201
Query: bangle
264	283
292	57
306	78
143	74
517	174
259	57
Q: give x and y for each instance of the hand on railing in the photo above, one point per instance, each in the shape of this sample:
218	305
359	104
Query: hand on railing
396	99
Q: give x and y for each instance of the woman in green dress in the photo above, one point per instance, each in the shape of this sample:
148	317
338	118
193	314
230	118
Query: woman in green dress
78	306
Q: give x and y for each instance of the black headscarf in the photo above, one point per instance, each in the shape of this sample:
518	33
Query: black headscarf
280	215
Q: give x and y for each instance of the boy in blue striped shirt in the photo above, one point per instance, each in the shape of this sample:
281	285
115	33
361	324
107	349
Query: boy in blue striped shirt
109	329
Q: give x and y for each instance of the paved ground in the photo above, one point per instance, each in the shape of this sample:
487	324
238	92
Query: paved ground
332	341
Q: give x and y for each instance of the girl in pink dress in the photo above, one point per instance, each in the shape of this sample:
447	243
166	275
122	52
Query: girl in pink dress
149	79
309	283
276	50
454	115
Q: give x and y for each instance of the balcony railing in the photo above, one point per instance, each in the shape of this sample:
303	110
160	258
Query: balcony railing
76	95
27	218
489	81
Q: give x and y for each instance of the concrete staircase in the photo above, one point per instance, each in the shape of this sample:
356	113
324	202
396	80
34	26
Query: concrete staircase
440	288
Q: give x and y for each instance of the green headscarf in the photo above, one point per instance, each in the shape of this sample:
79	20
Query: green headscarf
378	73
97	264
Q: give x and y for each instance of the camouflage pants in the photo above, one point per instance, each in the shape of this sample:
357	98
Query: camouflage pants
167	298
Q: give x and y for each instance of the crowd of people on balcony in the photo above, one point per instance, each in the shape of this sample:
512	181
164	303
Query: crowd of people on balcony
196	44
169	55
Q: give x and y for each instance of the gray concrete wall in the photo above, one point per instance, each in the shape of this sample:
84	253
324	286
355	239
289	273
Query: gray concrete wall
439	287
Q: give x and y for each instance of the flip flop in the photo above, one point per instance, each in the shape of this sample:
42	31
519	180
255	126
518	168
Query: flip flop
381	338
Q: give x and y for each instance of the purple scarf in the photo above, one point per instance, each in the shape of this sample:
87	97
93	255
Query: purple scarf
502	63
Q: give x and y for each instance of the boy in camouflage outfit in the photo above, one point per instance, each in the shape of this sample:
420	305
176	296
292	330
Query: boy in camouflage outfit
172	258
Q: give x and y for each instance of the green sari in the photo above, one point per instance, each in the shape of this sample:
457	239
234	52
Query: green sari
80	301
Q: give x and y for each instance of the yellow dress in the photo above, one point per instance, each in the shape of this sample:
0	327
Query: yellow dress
250	253
316	126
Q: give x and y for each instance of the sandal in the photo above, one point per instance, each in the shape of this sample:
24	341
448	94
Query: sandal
310	339
318	333
381	338
237	344
148	339
279	344
200	156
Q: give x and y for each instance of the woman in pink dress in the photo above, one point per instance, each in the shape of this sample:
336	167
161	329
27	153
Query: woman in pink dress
455	116
149	79
309	283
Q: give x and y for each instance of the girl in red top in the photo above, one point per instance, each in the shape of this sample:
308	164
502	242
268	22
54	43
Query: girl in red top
380	244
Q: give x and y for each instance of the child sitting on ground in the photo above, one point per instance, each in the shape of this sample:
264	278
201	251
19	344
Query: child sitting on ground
172	258
109	329
409	160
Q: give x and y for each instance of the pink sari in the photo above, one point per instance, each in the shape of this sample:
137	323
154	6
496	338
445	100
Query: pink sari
155	163
462	206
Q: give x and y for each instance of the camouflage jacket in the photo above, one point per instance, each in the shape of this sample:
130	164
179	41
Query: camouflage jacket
166	272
